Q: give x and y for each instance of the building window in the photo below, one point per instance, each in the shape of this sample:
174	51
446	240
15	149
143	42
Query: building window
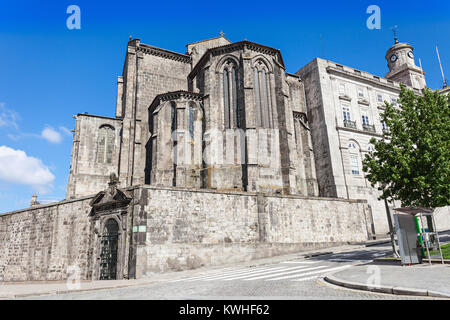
262	93
394	101
347	117
384	126
360	93
365	118
366	122
230	101
105	144
354	164
380	98
342	89
346	113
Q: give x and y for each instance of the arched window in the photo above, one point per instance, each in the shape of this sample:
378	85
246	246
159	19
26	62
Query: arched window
354	158
230	100
105	144
262	94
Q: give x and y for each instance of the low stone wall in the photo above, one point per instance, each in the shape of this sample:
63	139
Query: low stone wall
186	229
40	243
175	229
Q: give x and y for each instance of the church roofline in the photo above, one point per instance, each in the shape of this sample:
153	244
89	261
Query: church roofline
148	49
173	95
234	46
337	68
215	38
95	116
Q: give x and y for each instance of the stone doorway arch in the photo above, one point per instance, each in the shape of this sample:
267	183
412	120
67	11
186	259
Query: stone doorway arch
109	244
110	240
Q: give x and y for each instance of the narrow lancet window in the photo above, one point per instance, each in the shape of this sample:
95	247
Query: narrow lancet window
226	98
105	144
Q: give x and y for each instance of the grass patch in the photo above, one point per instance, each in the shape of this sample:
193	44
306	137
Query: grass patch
445	251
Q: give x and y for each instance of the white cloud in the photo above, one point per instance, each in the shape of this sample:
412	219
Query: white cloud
17	167
51	135
8	118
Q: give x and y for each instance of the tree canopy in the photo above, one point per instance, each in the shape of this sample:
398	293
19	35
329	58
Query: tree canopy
411	163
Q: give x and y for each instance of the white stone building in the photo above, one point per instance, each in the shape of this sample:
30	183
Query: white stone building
344	111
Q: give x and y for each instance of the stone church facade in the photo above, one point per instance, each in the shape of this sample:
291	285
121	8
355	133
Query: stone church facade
223	116
214	156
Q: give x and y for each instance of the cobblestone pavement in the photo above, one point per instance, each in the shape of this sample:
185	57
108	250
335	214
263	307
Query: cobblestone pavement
292	279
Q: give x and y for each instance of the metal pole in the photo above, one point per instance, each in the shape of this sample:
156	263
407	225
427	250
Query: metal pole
437	237
440	65
426	240
391	229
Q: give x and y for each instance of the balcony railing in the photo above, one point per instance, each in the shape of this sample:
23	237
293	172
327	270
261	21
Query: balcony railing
369	127
350	124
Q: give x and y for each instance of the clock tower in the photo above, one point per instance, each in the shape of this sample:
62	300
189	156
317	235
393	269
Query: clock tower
402	67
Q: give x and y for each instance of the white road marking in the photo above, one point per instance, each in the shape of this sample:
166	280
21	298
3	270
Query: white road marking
250	273
310	273
215	274
228	274
266	272
305	262
306	279
283	273
350	260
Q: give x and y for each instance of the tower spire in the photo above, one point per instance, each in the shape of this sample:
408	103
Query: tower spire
442	70
394	31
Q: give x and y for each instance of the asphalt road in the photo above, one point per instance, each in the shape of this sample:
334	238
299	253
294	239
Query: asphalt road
294	279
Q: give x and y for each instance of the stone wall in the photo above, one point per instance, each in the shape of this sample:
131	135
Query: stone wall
40	243
186	229
87	174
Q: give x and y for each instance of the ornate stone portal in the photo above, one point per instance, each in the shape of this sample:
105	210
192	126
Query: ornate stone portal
109	221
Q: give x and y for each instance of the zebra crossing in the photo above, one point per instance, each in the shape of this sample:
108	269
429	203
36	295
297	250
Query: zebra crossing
302	270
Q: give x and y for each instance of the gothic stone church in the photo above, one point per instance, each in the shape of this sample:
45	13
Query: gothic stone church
208	161
203	119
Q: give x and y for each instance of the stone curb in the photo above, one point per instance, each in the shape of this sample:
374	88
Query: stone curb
53	292
386	289
425	261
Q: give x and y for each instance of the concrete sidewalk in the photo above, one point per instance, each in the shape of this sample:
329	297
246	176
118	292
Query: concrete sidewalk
417	280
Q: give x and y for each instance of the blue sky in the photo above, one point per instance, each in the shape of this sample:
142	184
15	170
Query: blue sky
49	73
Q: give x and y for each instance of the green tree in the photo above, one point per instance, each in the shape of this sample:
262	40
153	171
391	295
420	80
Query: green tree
411	163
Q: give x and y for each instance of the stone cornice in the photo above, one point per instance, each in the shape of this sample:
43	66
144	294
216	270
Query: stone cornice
175	95
95	116
234	47
374	134
163	53
361	78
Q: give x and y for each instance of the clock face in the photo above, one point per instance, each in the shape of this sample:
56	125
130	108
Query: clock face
410	54
393	58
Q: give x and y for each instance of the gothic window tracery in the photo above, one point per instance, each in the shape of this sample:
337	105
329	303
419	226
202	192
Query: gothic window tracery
105	144
230	100
262	95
